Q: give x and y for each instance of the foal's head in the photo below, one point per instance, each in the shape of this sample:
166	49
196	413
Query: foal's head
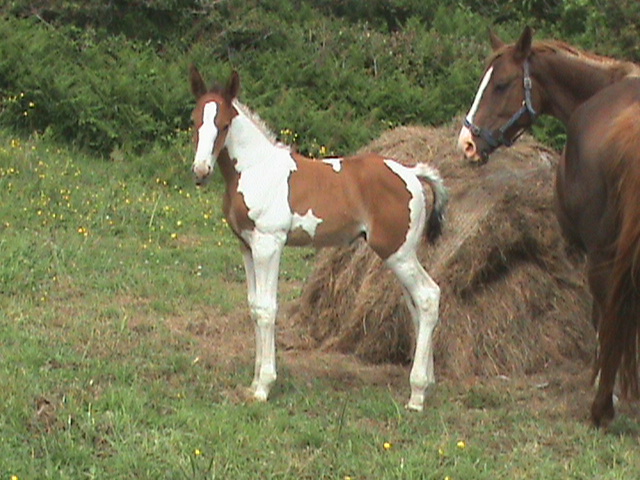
504	104
212	118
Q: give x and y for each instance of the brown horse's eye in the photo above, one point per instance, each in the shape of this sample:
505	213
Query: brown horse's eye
501	87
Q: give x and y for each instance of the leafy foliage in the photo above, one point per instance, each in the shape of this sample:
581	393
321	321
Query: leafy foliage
97	94
111	76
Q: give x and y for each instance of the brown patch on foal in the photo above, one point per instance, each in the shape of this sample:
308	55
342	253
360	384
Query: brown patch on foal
364	183
233	205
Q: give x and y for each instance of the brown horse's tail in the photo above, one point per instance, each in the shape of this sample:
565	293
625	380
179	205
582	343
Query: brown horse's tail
619	331
440	199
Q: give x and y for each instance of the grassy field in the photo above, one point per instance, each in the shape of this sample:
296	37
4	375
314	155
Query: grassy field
123	354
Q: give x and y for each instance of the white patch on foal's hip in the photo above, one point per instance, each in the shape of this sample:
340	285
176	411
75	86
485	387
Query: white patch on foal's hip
416	203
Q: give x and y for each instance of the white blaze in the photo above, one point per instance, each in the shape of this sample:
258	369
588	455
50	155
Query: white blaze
479	94
465	138
207	134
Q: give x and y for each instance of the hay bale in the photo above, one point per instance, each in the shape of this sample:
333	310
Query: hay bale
512	301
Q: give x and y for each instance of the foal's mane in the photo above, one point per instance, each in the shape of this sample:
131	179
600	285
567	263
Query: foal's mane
256	120
618	68
247	112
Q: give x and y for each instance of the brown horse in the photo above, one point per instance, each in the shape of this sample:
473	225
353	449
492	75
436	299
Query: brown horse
276	197
597	180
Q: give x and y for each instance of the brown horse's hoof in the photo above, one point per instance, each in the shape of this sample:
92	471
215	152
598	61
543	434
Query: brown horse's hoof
602	411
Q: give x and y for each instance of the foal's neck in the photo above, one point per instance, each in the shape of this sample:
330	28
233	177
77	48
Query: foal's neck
570	80
248	145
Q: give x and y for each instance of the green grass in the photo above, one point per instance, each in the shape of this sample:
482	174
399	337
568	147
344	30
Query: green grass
106	269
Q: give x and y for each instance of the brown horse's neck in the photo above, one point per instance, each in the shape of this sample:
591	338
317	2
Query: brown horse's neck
569	79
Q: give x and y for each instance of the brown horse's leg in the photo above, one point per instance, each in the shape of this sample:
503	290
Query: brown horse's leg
599	275
602	409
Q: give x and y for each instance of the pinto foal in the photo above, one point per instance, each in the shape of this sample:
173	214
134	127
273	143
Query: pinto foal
276	197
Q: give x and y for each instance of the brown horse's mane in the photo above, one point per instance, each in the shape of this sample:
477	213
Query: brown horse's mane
618	68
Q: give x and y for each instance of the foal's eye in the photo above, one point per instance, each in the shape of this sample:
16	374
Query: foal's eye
501	87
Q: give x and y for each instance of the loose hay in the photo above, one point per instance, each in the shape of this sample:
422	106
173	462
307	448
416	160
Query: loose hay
512	301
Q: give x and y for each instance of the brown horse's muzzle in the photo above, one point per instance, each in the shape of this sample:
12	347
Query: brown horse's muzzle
470	147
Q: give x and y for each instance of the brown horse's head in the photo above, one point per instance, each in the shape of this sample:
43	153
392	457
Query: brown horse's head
212	118
504	104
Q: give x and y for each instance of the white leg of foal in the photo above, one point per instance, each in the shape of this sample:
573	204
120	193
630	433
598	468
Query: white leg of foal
413	311
251	296
423	302
266	251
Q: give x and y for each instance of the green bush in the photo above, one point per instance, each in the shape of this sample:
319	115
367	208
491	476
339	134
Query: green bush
103	95
331	74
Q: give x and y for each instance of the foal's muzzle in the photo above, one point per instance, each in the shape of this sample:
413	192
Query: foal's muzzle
201	173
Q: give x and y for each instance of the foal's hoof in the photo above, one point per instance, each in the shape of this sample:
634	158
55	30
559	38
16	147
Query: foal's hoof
414	408
260	395
416	403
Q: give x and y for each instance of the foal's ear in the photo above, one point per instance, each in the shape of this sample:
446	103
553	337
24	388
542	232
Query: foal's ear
198	87
496	41
523	45
233	85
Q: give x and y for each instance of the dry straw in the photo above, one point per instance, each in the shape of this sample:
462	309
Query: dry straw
512	301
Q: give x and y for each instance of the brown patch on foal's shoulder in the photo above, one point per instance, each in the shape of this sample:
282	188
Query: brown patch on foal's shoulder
234	207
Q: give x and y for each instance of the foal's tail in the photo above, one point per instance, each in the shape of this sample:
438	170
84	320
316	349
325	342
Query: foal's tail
619	332
440	199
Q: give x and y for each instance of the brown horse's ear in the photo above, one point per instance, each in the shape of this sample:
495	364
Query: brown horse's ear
496	41
233	86
198	87
523	45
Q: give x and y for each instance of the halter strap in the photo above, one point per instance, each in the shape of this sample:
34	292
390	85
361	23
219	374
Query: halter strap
527	107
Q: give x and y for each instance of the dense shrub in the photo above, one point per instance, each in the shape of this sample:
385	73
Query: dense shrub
329	74
98	95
